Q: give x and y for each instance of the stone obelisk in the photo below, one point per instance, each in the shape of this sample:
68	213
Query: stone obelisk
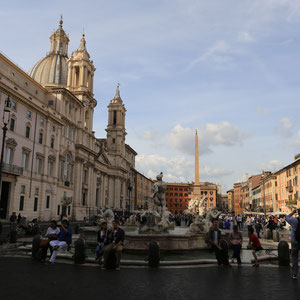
196	159
196	189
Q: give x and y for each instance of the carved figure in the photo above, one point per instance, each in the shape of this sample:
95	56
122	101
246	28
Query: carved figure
158	193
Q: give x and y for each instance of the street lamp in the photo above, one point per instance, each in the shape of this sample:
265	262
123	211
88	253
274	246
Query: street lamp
5	118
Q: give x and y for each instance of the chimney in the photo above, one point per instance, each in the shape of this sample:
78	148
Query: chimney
246	176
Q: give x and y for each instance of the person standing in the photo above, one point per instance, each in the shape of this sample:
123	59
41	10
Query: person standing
13	228
254	244
295	240
214	239
236	240
64	239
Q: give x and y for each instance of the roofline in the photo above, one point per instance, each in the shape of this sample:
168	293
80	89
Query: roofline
296	162
23	73
131	149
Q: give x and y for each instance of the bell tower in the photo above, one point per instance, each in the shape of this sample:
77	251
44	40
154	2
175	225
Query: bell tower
116	131
80	81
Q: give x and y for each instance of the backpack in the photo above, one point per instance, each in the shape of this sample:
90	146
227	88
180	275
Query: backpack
297	232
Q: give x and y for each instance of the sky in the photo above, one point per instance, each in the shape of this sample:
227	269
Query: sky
230	69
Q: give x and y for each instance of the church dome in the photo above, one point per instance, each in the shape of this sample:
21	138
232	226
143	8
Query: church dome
53	69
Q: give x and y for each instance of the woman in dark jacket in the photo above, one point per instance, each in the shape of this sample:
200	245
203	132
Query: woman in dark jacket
102	241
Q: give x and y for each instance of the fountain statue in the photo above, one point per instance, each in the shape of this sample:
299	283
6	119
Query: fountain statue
157	217
103	216
202	218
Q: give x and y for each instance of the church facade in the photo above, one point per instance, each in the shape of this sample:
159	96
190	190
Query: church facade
53	163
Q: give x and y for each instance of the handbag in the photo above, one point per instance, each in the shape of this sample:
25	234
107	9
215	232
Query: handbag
44	243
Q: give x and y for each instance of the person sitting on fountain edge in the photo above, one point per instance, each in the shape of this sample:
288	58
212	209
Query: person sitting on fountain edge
116	239
214	238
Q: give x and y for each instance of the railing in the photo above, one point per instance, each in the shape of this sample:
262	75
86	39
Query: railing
8	168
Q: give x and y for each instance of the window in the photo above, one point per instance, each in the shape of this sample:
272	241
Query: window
23	189
52	143
115	118
42	122
68	131
12	125
69	210
70	109
58	210
41	138
27	133
84	197
39	165
50	168
25	160
73	134
14	105
9	156
36	191
29	114
68	168
53	128
26	83
21	204
84	176
114	141
48	202
35	205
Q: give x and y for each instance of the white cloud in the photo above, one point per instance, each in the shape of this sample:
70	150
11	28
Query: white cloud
286	127
208	171
272	165
245	37
210	135
149	135
176	168
262	110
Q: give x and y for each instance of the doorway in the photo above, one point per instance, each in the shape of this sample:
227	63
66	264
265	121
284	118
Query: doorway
4	199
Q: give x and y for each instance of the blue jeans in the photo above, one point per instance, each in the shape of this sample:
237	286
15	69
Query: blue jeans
100	251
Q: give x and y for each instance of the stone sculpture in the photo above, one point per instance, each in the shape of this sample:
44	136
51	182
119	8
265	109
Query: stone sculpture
202	218
103	216
157	217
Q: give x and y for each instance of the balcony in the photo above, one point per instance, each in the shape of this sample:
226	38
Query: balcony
67	200
12	169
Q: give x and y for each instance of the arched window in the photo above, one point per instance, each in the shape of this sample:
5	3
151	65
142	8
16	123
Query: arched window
68	169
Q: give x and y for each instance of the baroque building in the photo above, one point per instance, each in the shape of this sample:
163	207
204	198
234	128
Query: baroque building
53	163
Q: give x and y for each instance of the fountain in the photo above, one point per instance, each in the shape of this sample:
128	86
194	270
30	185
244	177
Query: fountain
157	225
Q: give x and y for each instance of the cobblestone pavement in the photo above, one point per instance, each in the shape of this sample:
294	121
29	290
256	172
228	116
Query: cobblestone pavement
22	278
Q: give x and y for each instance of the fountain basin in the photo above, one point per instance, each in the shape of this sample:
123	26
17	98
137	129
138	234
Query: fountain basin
140	241
167	242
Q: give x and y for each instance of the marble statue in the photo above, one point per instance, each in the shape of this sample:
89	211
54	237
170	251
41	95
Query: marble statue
157	217
103	216
202	219
158	193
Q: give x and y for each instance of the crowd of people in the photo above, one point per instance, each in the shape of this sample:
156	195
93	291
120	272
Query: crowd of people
110	240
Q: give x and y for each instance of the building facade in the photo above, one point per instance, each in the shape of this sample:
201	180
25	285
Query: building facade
237	198
54	164
230	195
177	197
143	191
287	189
